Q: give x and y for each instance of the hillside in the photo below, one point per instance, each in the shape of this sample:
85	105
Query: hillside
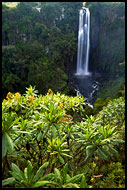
47	44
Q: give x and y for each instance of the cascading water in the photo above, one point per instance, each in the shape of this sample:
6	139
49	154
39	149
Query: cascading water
84	83
83	42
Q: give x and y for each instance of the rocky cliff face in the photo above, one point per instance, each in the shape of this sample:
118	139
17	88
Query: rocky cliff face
107	36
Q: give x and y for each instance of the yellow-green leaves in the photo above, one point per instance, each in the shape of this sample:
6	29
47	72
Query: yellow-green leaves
58	149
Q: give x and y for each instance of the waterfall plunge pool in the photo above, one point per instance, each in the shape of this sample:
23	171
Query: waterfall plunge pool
85	85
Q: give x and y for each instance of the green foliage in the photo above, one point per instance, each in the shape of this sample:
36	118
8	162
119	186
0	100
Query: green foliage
29	179
110	88
9	127
46	131
99	104
113	113
114	176
53	132
108	175
63	180
58	150
38	44
43	45
98	139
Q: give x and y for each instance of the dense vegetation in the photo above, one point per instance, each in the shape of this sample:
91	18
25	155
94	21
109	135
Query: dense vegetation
51	138
49	141
37	46
40	48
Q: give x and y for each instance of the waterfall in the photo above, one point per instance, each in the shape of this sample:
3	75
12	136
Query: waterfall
83	42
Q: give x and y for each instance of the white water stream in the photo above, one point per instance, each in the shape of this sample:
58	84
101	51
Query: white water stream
83	42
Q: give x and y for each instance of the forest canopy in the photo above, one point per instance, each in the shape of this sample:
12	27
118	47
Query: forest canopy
37	45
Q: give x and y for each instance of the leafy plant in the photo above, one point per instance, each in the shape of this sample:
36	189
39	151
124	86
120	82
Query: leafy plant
58	150
31	91
100	139
9	127
55	129
63	180
29	179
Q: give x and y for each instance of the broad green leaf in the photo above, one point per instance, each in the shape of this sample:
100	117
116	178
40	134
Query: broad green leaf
113	151
14	122
117	141
19	153
23	132
44	134
40	171
41	183
54	152
9	143
105	152
102	154
4	148
37	123
16	170
57	172
53	131
75	178
43	106
72	136
66	155
90	147
89	152
68	177
71	185
50	116
48	177
65	150
39	137
105	141
64	171
61	159
54	160
30	172
8	181
83	183
16	176
25	174
62	140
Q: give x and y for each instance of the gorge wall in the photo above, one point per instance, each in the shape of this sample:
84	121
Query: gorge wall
107	36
